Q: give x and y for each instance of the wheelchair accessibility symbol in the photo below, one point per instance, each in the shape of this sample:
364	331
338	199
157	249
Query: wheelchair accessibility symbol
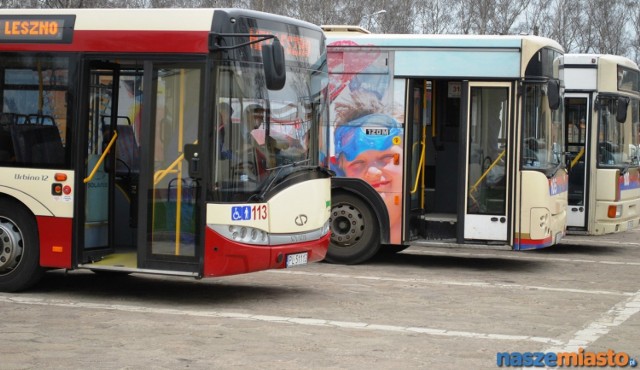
241	213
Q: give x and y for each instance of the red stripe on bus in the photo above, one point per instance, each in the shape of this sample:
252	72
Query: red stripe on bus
223	257
55	241
533	243
124	42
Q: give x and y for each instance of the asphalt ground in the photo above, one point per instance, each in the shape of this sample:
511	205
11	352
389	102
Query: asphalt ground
423	308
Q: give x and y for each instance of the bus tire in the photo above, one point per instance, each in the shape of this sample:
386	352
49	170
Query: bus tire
390	249
20	253
355	234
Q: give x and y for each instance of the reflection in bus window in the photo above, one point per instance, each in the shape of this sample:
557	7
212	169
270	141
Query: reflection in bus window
610	134
263	134
542	137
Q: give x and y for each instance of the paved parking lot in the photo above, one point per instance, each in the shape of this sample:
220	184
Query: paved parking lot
424	308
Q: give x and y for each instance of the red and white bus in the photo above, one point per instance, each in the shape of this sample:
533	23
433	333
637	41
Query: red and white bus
122	147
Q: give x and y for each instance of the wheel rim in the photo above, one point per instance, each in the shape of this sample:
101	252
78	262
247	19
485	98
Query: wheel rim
347	225
11	246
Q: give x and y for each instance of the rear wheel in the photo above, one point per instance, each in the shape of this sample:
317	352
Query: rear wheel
20	250
355	234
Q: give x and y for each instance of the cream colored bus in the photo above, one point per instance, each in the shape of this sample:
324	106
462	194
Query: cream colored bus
444	140
602	107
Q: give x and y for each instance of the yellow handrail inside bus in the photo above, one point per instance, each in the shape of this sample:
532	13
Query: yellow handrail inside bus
178	164
102	157
160	174
474	188
577	158
422	155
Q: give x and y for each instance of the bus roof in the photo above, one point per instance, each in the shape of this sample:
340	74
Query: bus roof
130	19
590	59
438	40
343	28
126	30
460	56
600	72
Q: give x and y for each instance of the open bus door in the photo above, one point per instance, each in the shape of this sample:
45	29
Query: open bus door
457	161
101	97
577	120
486	207
432	163
141	202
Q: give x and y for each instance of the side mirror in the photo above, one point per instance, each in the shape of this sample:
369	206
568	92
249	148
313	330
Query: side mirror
275	71
553	93
621	112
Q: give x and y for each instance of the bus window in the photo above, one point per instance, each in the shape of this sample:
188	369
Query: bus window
33	128
542	137
634	142
610	134
262	135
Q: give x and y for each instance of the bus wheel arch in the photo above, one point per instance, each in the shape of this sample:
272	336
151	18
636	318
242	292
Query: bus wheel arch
20	247
358	225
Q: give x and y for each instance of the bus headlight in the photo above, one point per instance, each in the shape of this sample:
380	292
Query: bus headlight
325	228
246	234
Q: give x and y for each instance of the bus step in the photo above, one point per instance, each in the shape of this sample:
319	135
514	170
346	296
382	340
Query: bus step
438	229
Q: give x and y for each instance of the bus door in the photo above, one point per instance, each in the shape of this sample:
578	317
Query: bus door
99	205
432	163
488	114
169	231
577	126
140	201
417	146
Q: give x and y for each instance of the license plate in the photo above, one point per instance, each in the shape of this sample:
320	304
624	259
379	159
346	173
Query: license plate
296	259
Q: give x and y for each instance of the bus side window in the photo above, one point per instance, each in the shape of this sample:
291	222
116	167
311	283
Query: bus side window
37	144
6	146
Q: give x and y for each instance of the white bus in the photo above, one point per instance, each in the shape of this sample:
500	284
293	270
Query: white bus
123	150
602	105
444	140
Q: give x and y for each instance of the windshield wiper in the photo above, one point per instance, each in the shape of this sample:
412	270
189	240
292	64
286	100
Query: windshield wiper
273	177
556	168
626	167
290	164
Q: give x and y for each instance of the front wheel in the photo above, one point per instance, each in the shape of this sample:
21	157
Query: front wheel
355	234
20	250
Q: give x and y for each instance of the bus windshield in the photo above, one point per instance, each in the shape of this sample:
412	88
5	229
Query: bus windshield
542	139
261	130
615	147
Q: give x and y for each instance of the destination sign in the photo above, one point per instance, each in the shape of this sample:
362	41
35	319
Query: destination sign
295	46
36	28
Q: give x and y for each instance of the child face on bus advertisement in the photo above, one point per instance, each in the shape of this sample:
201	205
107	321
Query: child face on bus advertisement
377	167
370	148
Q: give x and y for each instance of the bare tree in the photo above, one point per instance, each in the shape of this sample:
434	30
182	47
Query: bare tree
598	26
635	29
465	13
434	16
398	16
325	12
490	16
507	13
